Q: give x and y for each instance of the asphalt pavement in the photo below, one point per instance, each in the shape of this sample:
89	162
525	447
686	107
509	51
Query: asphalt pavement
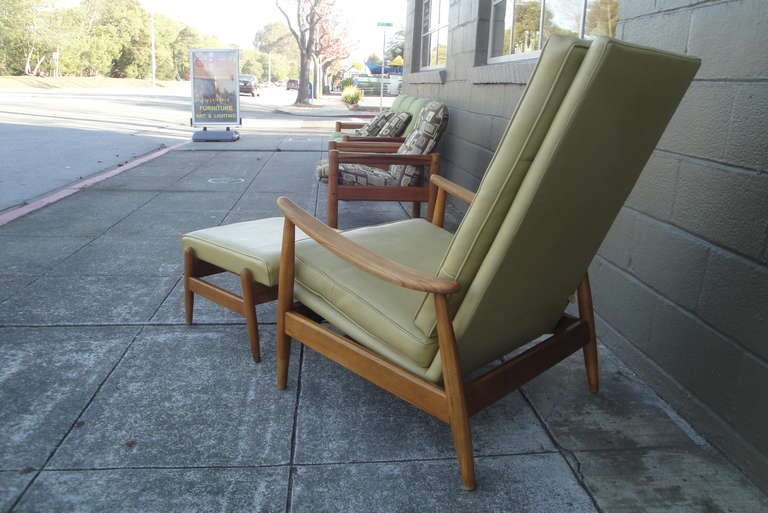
53	138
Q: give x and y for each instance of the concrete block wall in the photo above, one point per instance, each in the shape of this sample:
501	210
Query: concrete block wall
681	282
689	251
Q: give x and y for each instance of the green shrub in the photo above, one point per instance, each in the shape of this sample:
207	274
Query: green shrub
347	82
351	95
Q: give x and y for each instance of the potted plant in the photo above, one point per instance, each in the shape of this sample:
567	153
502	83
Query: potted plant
351	97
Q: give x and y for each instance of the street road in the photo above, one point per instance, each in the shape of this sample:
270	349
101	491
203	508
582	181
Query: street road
50	138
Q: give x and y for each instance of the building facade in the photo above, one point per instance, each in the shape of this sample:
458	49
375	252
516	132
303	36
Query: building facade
681	282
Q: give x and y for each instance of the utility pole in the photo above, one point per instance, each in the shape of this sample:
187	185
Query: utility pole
383	25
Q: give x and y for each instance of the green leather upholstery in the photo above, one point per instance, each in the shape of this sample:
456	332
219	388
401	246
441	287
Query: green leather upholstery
582	133
253	245
552	78
525	132
599	141
375	313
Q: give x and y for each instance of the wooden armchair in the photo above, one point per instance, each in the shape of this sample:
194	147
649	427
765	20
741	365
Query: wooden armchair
375	169
421	312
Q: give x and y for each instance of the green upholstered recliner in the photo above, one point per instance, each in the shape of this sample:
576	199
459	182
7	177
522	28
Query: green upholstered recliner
423	310
403	103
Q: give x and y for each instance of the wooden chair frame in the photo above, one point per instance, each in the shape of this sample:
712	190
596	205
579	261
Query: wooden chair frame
254	293
457	398
376	154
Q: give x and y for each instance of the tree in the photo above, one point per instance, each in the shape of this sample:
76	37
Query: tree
395	46
330	48
602	16
96	37
274	38
24	27
373	59
303	27
275	42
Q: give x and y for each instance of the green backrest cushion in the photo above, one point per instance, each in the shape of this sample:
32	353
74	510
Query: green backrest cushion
396	103
413	106
530	122
601	138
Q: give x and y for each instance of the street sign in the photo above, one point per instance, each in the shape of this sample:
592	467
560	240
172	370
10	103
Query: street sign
385	24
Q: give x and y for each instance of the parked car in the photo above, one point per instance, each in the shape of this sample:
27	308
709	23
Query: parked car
249	85
292	83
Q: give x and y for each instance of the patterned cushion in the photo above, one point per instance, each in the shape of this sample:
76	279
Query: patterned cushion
375	125
395	125
356	174
423	139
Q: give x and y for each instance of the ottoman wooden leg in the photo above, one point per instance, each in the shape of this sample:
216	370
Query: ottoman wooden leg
249	312
189	272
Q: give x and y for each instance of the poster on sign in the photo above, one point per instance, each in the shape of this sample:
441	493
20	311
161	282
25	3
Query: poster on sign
215	87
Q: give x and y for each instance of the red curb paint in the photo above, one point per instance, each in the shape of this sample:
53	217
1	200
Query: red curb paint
69	190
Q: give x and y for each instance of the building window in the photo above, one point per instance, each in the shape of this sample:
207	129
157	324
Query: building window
434	33
520	27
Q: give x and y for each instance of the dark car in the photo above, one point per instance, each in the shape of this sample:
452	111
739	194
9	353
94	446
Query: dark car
248	85
292	83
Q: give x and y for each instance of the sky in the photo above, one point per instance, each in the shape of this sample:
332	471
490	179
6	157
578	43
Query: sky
236	21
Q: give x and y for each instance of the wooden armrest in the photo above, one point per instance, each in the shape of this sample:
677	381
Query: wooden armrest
365	259
341	125
365	147
453	188
381	159
361	138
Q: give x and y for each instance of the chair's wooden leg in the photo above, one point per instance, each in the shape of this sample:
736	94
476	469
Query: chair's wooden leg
586	313
189	272
249	312
415	209
333	194
454	389
285	301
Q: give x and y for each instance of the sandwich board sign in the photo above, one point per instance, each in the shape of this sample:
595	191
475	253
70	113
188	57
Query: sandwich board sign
215	88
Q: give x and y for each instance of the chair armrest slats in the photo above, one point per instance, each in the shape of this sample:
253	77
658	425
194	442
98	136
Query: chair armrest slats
374	159
341	125
367	147
365	259
360	138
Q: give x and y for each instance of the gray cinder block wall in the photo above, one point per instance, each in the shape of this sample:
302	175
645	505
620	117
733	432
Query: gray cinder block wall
681	283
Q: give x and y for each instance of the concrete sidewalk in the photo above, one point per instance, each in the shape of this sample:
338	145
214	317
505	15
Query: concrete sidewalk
112	404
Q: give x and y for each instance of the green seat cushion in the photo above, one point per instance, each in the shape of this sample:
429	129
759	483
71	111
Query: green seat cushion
375	313
253	245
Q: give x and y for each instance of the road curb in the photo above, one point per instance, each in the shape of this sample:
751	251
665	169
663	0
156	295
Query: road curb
327	114
38	203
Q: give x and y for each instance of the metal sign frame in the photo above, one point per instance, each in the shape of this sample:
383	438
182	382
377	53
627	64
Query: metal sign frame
215	76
